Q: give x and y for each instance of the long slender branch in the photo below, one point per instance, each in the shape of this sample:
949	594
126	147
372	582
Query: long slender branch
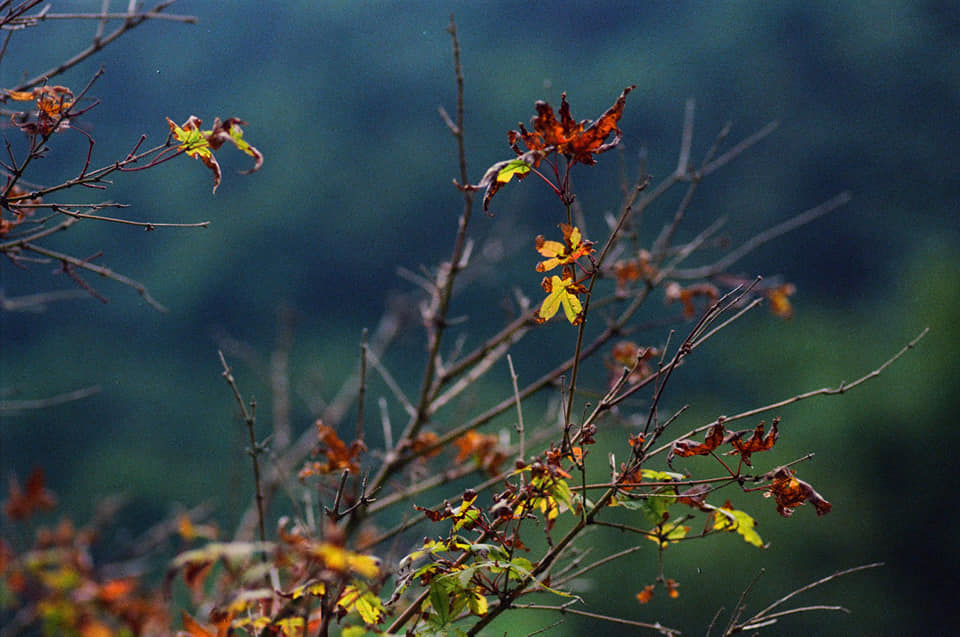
98	43
843	387
97	269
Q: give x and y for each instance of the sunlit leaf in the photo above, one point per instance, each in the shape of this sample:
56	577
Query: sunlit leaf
561	292
572	248
200	144
726	518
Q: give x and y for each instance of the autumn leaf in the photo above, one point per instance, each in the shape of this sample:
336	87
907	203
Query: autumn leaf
791	492
342	560
579	141
757	442
339	456
646	594
779	303
23	502
727	518
685	448
483	448
668	533
193	628
674	292
53	105
672	587
561	292
200	144
572	248
359	598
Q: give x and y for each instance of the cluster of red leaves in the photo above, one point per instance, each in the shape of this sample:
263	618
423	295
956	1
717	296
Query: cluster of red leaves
791	493
55	584
485	450
338	455
53	106
718	435
15	202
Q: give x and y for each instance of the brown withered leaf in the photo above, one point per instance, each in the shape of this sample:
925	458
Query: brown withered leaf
757	442
686	448
579	141
791	492
695	496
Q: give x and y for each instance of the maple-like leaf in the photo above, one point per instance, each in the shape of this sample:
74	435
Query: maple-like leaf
361	599
757	442
579	141
200	144
791	492
561	292
572	248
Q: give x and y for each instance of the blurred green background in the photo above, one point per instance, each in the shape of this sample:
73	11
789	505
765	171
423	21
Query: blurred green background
342	98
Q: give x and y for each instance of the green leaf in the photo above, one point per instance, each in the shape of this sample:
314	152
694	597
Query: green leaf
733	520
440	600
513	168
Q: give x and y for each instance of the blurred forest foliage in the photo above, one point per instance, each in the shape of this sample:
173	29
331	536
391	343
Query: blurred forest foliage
342	98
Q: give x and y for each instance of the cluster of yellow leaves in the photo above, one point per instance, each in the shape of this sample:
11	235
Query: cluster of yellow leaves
562	290
200	144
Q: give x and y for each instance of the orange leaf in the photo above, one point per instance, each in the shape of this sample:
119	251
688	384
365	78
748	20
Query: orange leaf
579	141
672	587
791	493
757	442
779	303
646	594
686	448
339	456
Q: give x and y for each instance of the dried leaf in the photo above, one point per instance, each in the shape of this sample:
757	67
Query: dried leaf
791	492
